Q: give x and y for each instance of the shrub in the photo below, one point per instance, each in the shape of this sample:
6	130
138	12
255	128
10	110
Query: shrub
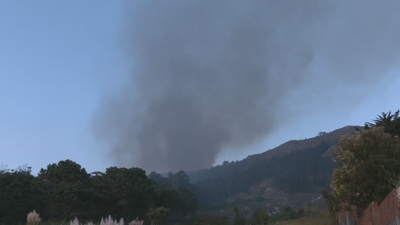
368	160
157	215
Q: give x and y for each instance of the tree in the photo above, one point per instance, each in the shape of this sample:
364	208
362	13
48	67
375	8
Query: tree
20	192
157	215
180	179
127	191
390	122
367	161
67	188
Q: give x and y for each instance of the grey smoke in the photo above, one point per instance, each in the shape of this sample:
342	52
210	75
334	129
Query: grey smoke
215	74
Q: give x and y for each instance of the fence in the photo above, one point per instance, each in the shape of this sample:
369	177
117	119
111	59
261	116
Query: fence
386	213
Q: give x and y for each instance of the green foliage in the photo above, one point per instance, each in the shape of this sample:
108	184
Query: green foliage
333	201
65	190
175	192
314	218
259	218
158	215
287	214
390	123
20	192
367	161
239	217
127	192
207	219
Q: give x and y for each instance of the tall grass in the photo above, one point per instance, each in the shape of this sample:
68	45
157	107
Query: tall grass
33	219
76	222
110	221
136	222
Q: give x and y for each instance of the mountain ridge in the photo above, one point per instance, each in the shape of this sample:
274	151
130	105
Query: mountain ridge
288	147
330	138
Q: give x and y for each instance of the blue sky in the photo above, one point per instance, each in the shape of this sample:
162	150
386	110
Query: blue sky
59	61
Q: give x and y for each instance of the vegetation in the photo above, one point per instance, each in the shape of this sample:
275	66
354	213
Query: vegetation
65	191
390	123
259	217
300	171
368	160
207	218
239	217
158	215
288	214
33	218
316	218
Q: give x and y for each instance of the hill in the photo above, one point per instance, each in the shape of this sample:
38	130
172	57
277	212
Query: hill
291	174
292	146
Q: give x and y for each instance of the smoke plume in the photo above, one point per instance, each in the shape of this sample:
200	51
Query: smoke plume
209	75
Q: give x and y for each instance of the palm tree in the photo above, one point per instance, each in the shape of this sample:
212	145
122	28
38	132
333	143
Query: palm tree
390	122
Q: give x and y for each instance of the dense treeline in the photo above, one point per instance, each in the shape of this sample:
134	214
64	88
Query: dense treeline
300	171
64	191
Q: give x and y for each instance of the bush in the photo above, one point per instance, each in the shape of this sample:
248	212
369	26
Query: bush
368	160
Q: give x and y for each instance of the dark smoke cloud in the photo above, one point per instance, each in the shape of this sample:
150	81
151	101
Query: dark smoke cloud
218	74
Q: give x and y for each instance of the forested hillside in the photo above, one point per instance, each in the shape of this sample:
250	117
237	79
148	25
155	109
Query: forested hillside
292	146
301	171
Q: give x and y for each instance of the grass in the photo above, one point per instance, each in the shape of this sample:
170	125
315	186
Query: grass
33	218
318	218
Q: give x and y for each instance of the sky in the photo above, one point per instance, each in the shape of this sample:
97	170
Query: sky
170	85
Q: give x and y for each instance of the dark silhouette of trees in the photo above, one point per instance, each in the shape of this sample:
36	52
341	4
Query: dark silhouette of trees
65	190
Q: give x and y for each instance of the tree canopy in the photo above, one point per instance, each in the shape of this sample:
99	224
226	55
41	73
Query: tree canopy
368	161
390	123
65	190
